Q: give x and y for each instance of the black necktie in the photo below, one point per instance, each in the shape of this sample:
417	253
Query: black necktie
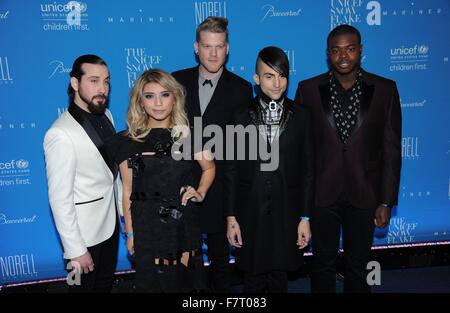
207	81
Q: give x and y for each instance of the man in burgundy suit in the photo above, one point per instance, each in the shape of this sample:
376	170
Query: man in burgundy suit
357	129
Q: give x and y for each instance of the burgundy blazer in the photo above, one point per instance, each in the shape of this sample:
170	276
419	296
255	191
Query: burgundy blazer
367	168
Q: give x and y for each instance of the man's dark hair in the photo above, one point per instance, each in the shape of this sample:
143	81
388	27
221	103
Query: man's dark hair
77	71
343	29
275	58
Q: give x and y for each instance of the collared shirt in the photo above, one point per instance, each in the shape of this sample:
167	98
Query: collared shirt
205	92
271	119
345	105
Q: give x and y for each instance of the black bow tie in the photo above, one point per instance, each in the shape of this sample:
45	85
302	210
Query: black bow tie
207	81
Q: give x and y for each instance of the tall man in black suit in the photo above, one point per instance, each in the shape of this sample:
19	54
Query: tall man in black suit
213	94
357	126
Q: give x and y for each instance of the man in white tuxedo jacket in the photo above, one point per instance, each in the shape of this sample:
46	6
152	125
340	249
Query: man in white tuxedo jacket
81	177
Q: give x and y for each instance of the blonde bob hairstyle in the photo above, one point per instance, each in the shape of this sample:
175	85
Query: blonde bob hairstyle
137	118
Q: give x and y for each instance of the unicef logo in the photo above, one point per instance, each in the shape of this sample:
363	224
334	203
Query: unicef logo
74	16
423	49
22	164
80	7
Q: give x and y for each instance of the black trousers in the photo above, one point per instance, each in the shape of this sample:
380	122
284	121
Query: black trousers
219	271
272	282
104	256
357	234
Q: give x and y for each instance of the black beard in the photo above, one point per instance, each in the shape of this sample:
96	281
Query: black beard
97	109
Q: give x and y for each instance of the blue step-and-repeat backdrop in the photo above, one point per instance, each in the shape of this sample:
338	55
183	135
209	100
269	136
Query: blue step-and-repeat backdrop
407	41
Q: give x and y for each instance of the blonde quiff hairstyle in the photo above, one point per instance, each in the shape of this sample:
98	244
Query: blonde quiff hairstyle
137	118
213	24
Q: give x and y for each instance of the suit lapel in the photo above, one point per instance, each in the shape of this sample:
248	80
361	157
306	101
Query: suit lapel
253	112
219	92
193	106
367	96
95	137
113	166
287	113
325	97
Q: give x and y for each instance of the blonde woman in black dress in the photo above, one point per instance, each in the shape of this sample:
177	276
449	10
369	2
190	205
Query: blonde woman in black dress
161	220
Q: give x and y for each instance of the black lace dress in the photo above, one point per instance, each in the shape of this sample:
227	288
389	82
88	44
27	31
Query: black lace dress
163	228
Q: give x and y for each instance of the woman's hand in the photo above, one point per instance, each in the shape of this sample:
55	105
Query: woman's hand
189	193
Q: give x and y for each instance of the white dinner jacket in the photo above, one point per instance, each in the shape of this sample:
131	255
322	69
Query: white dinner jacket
80	187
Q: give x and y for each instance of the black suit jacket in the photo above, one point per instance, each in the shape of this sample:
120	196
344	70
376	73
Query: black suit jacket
232	92
366	170
268	204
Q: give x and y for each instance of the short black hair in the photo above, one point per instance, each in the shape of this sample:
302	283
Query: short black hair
343	29
77	71
275	58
